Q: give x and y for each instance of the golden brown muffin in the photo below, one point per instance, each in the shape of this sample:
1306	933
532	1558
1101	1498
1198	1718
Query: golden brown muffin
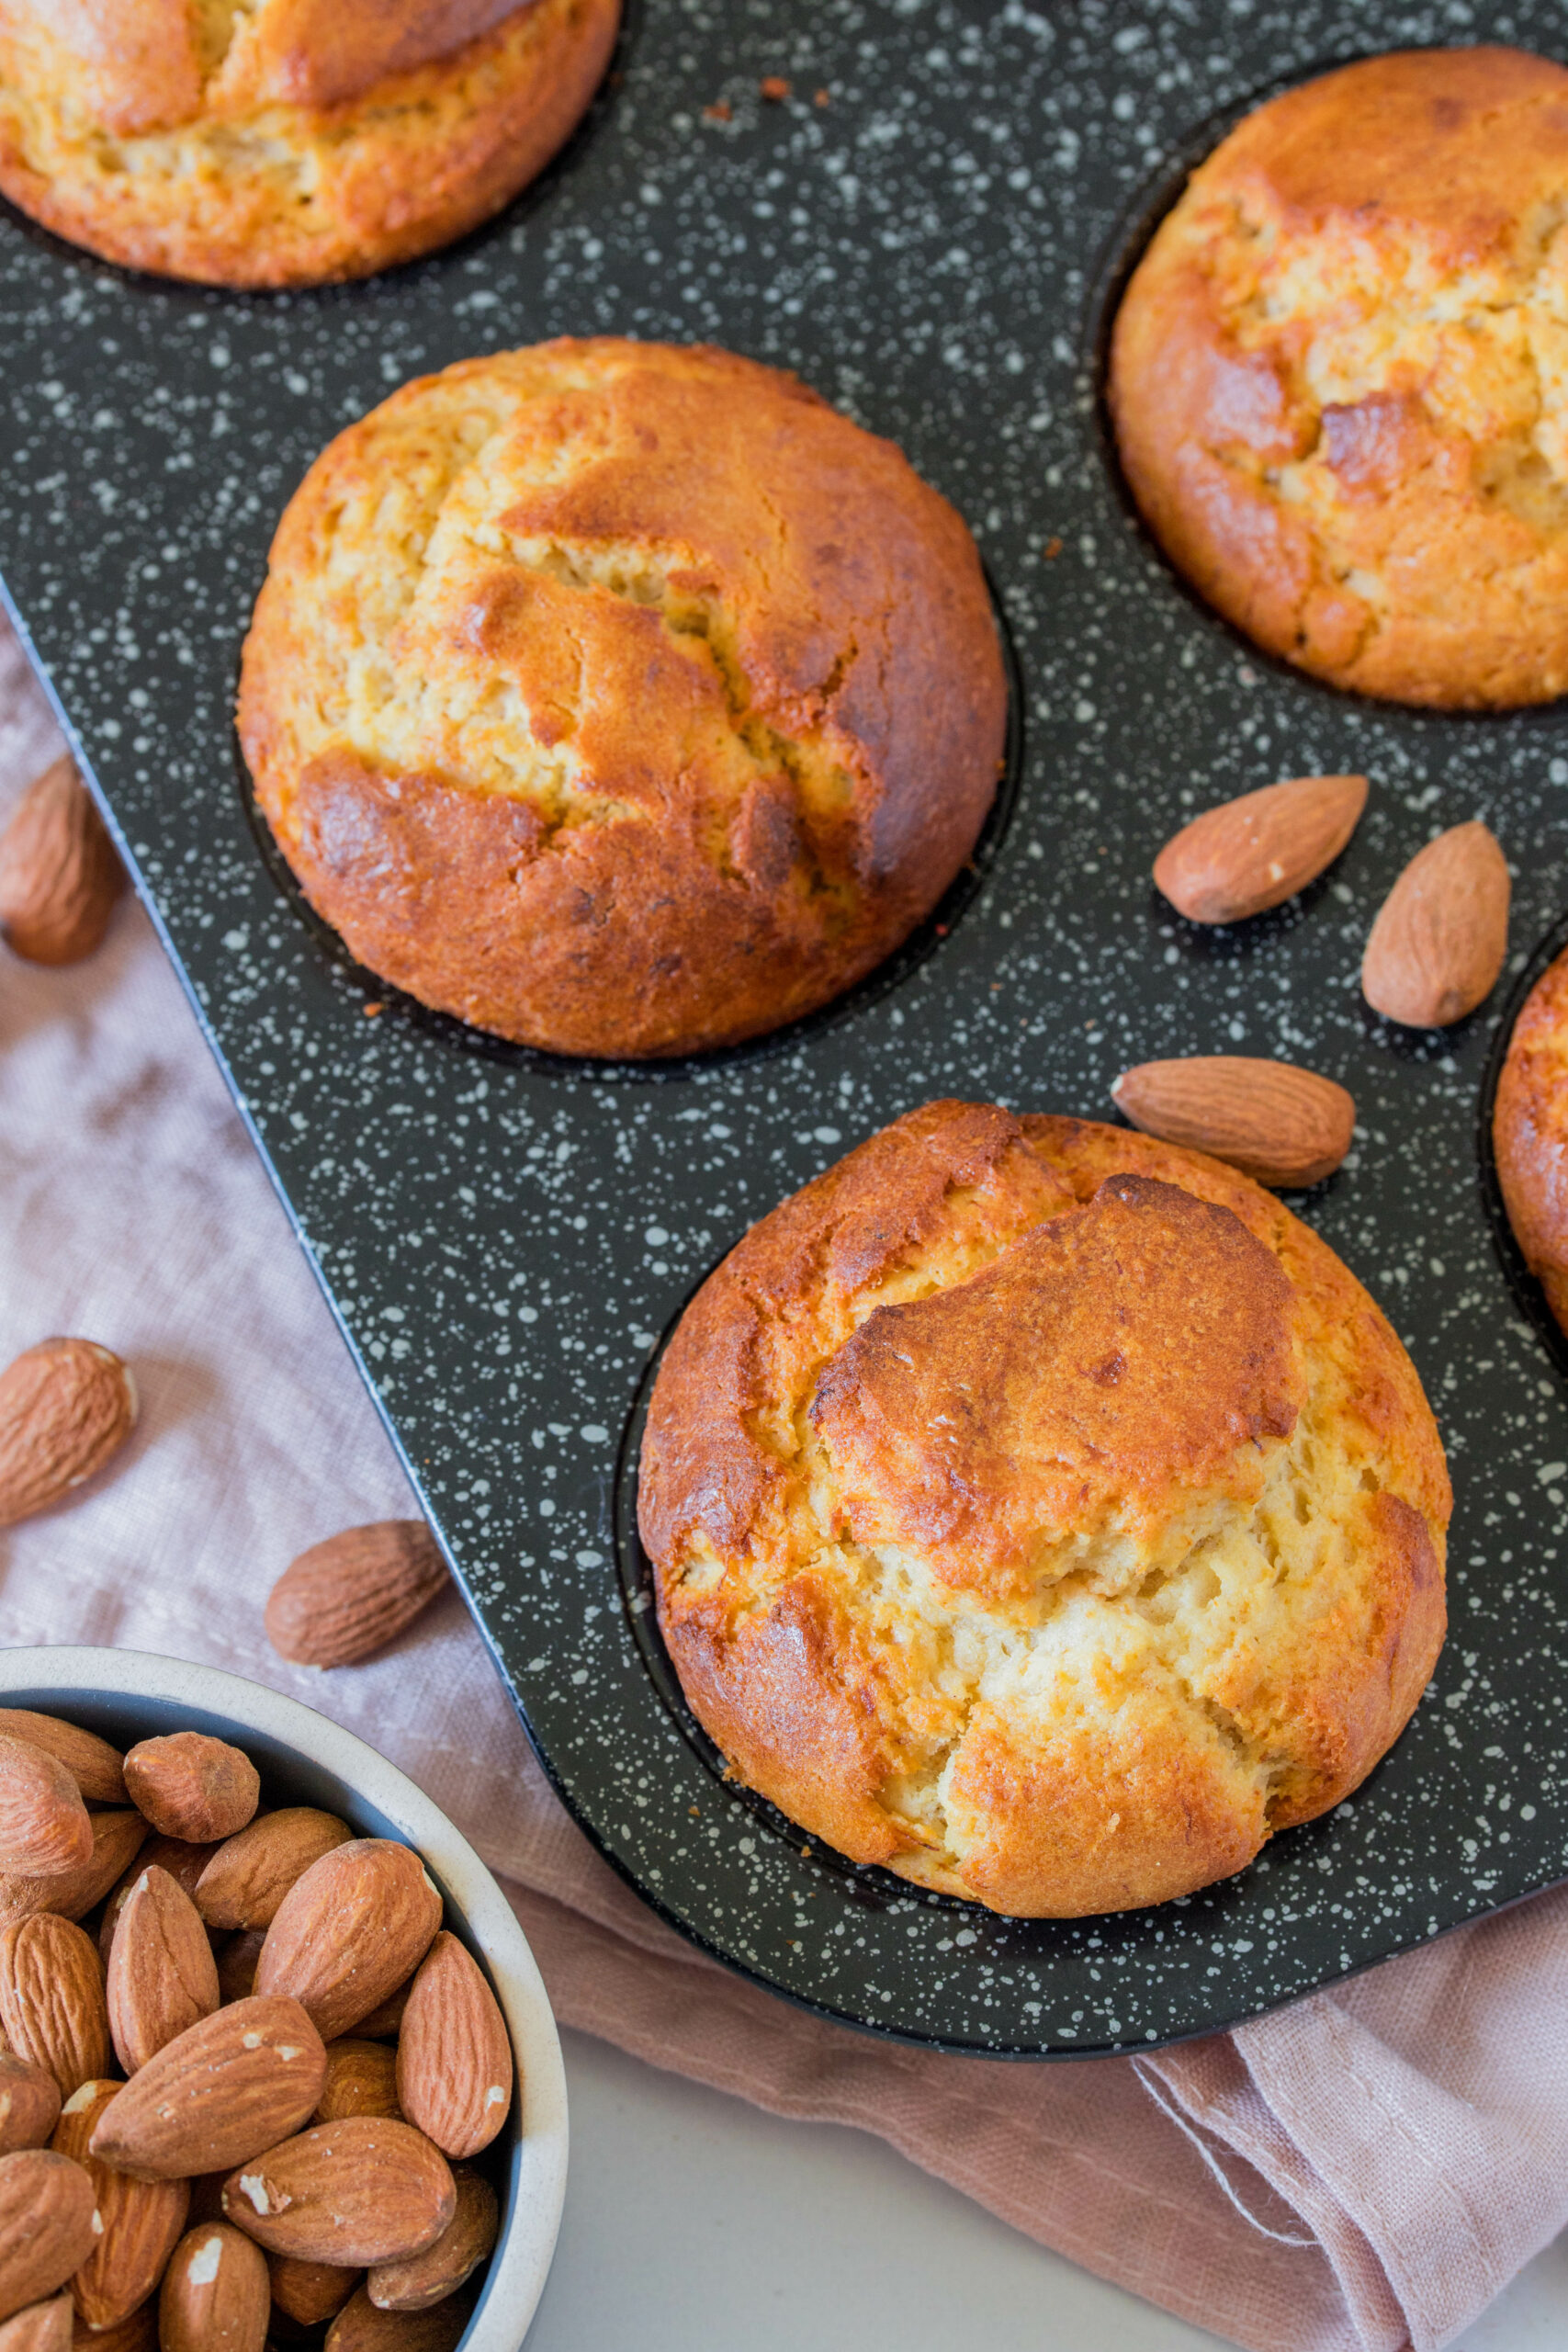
284	143
1044	1513
621	698
1339	378
1529	1134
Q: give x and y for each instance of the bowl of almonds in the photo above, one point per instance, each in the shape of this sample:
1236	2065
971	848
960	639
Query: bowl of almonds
276	2065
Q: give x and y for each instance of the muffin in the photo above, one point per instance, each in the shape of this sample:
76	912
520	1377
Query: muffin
1043	1512
1339	378
1529	1134
621	699
284	143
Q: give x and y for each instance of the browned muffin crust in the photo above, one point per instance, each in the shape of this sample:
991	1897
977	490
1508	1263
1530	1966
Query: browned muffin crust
286	143
621	698
1529	1134
1044	1513
1338	385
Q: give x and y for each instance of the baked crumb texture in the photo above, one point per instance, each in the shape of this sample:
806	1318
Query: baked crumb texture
1339	378
1529	1134
284	143
1043	1512
620	698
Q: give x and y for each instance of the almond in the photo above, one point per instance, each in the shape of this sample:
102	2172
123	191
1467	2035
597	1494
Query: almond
183	1859
249	1875
310	2291
140	2220
66	1407
48	2226
354	1593
1279	1125
51	2000
362	2079
348	1932
453	2054
92	1764
137	2334
1442	933
1252	853
365	2190
42	2327
236	2083
29	2103
192	1786
216	2297
115	1839
361	2327
161	1974
385	2021
468	2240
237	1964
59	874
44	1829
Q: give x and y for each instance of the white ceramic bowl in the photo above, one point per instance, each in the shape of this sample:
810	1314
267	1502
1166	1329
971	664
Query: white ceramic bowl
126	1695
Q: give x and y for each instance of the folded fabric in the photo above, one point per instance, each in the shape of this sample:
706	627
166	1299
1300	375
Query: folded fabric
1365	2169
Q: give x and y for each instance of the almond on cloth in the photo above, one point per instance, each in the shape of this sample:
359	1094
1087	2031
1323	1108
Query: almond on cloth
1279	1125
363	2190
310	2292
66	1407
192	1786
251	1873
29	2103
117	1839
161	1974
349	1931
183	1859
362	2079
59	873
361	2326
237	2083
354	1593
51	2000
237	1964
140	2221
1441	934
92	1764
1255	852
42	2327
454	2054
468	2240
48	2226
44	1826
215	2296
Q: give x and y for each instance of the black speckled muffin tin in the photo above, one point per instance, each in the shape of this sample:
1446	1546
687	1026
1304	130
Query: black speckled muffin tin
505	1236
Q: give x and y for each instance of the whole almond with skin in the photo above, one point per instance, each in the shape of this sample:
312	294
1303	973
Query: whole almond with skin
1441	934
51	2000
42	2327
117	1838
161	1974
360	2326
235	2083
215	2296
48	2226
1255	852
1279	1125
44	1827
192	1786
237	1964
92	1764
59	873
349	1930
454	2054
362	2079
468	2240
66	1407
250	1873
141	2220
352	1595
310	2291
29	2103
365	2190
183	1859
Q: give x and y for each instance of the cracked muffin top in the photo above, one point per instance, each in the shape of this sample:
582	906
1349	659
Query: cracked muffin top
620	698
284	143
1339	378
1044	1513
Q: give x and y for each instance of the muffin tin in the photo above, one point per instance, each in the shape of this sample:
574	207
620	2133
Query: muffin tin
506	1238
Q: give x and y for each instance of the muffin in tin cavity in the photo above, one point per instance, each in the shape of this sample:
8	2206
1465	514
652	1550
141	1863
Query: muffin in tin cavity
286	143
622	699
1339	378
1043	1512
1529	1134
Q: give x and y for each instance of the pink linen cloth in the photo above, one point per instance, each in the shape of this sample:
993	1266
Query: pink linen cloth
1359	2173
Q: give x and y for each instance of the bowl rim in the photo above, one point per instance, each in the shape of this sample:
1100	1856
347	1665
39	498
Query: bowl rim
523	2257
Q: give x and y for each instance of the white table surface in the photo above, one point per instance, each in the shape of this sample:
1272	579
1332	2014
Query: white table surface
695	2224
